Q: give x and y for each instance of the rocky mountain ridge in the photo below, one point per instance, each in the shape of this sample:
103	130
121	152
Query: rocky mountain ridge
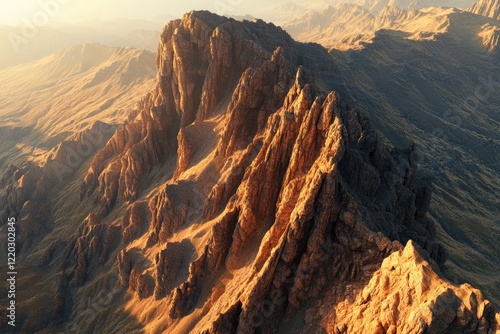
245	196
281	12
351	27
488	8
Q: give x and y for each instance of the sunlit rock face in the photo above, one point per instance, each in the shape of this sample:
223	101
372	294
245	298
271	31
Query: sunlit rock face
244	196
489	8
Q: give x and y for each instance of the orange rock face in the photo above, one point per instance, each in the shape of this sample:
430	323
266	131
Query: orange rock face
251	199
304	200
407	296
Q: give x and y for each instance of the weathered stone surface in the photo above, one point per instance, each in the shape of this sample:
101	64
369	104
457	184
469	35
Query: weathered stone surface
135	221
489	8
170	264
259	93
408	296
169	210
125	264
92	245
304	201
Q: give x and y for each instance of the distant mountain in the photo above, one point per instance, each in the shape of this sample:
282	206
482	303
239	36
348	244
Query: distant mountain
140	39
377	5
50	99
331	24
20	45
349	26
422	64
489	8
281	12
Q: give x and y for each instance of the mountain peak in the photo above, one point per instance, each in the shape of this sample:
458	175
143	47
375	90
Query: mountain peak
488	8
288	178
243	195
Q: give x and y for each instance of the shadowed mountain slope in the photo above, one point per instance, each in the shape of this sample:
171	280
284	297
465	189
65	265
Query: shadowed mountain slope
431	77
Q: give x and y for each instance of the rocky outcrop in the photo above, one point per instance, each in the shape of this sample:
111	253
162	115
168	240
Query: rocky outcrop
125	264
490	35
200	61
133	273
308	197
488	8
27	187
333	189
225	322
169	209
205	267
291	212
172	267
116	170
258	94
92	245
320	176
408	296
141	282
184	297
134	223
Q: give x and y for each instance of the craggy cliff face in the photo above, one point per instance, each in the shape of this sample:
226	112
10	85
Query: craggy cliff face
245	197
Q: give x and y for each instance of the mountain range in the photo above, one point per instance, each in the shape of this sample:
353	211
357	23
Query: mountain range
486	8
27	42
257	184
348	26
407	67
281	12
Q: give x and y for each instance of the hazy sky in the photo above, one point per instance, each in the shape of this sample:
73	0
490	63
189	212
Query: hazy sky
71	11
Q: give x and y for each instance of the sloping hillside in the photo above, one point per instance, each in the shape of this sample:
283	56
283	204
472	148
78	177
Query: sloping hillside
22	44
48	100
